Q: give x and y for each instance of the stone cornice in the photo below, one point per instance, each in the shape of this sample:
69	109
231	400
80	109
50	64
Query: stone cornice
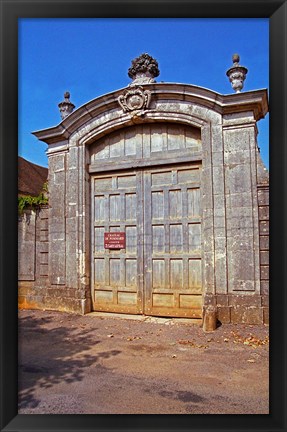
255	101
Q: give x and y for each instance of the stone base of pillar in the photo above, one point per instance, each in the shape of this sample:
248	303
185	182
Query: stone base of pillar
209	318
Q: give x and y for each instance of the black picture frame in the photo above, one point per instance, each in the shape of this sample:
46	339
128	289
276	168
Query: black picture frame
11	11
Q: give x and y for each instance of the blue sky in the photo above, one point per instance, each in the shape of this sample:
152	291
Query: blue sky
91	57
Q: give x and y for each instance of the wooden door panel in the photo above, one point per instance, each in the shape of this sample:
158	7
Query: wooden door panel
194	276
135	143
159	271
117	274
172	242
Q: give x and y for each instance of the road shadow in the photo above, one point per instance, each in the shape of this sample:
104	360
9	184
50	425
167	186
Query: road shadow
50	353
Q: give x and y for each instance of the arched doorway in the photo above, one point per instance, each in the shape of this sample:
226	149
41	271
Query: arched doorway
146	221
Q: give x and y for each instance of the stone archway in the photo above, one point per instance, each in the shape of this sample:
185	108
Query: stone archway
229	174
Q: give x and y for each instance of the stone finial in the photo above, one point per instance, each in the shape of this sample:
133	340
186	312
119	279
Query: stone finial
66	107
237	74
143	70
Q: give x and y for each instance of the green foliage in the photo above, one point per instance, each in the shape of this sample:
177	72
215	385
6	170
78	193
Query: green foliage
31	202
45	187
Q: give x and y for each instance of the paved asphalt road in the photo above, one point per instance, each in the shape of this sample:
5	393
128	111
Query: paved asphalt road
104	364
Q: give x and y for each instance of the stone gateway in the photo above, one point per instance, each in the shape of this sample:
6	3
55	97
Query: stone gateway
175	170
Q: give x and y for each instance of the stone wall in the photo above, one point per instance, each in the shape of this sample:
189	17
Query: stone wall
37	288
33	251
251	308
263	203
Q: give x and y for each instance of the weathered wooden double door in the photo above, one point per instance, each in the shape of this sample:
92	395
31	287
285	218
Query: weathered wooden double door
158	272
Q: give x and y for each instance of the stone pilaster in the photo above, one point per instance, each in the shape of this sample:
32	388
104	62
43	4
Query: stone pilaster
241	203
220	252
208	274
57	218
77	224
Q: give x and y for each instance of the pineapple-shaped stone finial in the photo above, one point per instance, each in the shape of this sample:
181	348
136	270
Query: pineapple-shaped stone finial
66	107
237	74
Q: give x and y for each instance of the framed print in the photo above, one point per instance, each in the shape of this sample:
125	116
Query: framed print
142	223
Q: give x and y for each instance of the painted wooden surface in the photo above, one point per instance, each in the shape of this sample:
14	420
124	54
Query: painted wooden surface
148	144
159	209
172	241
117	273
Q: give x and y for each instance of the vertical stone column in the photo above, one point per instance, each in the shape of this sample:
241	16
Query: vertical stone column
207	219
72	223
220	247
242	231
69	227
57	218
77	227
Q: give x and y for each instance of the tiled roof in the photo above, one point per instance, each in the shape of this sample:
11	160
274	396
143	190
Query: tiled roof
31	177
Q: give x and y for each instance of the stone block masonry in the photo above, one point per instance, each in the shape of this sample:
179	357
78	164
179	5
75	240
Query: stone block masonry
35	290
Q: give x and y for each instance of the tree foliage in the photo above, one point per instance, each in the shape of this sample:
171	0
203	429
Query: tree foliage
33	202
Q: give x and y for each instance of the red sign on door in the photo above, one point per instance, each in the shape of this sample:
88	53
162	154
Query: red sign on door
115	240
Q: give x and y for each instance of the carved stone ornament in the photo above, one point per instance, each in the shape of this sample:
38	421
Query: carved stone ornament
237	74
66	107
134	99
143	70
